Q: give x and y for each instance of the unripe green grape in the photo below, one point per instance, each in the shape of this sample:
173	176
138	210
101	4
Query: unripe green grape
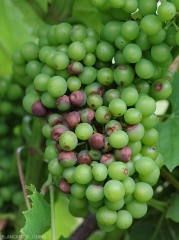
103	115
78	33
68	174
160	89
62	33
88	75
129	185
132	116
112	126
143	192
51	35
49	56
142	41
106	216
17	198
109	95
118	139
46	130
150	121
78	213
94	193
142	86
114	205
123	75
144	69
43	41
150	137
14	92
149	151
117	107
95	154
73	83
62	48
49	141
40	82
166	11
17	57
83	131
96	204
147	7
90	44
130	6
170	36
146	105
78	190
130	30
159	160
47	100
105	76
119	58
135	132
60	60
116	4
111	30
33	68
89	60
160	52
135	147
78	203
145	165
68	140
119	14
57	86
106	228
118	171
55	168
29	100
67	158
131	168
94	101
19	70
83	174
92	33
114	190
6	193
121	42
152	177
136	209
51	152
76	51
132	53
129	96
105	51
166	63
29	51
124	219
151	24
158	37
43	51
99	3
99	172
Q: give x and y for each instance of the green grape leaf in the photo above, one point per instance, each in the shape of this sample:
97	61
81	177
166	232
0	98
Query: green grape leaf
168	130
62	238
173	210
38	219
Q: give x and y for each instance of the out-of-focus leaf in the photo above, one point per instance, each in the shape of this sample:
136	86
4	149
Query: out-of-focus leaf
62	238
168	130
18	24
173	210
84	10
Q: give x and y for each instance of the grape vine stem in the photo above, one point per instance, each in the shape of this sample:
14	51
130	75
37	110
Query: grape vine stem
21	174
53	234
165	174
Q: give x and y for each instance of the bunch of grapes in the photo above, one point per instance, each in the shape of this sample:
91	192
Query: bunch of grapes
98	93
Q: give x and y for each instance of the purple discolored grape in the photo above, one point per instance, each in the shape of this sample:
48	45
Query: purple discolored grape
57	130
72	118
78	98
107	159
123	154
75	68
38	109
96	141
87	115
83	157
67	159
64	186
63	103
